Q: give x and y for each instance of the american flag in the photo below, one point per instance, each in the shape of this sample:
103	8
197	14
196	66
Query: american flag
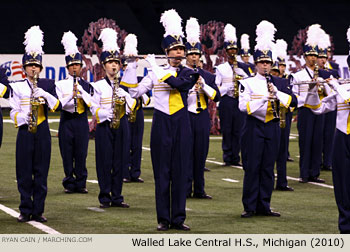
14	70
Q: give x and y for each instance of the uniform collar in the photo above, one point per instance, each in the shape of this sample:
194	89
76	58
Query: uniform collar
259	76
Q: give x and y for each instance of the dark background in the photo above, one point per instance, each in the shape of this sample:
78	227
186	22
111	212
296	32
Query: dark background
142	18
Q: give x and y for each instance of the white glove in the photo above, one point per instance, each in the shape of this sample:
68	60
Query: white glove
109	115
273	89
334	83
121	92
151	59
39	92
80	88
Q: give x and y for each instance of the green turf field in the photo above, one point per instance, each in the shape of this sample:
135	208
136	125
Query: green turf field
309	209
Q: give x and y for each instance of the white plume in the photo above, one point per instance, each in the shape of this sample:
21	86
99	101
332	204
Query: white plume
109	39
313	34
230	33
69	42
245	41
192	30
172	23
348	34
34	40
324	41
265	36
281	48
130	45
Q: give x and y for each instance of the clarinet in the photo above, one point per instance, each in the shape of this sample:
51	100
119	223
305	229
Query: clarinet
272	101
74	90
199	105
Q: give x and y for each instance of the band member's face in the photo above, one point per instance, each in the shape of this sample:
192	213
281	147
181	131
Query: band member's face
176	52
111	68
310	60
321	62
74	68
231	52
282	69
263	66
245	59
193	59
31	69
274	73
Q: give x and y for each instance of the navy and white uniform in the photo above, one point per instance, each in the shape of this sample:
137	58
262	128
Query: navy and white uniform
248	68
310	128
4	93
200	126
33	150
170	136
73	132
231	118
133	169
339	101
112	145
260	140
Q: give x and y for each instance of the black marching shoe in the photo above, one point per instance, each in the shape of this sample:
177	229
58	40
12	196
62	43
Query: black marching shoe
326	168
120	204
105	205
181	226
206	169
126	180
82	190
39	218
68	191
303	180
285	188
316	180
237	164
163	227
202	196
269	213
137	180
289	159
23	218
247	214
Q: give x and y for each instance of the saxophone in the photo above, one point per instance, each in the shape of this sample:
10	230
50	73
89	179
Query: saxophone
321	89
282	114
117	103
34	106
236	77
273	101
199	105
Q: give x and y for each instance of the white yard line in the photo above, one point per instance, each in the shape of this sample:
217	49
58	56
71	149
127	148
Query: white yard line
35	224
230	180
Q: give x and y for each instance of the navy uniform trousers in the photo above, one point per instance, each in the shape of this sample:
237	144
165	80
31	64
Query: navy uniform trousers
136	137
310	128
200	126
341	178
170	153
328	137
73	139
33	152
1	126
231	121
112	147
260	143
281	162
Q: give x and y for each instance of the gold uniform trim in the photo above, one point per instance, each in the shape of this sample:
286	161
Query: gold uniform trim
288	102
129	85
165	77
213	96
312	106
97	117
269	114
248	109
3	92
56	106
16	122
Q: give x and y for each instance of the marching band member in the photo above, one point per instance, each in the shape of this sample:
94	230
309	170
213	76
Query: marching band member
73	135
171	132
29	101
330	117
197	106
260	98
310	126
282	157
231	118
4	93
110	103
245	54
339	101
132	171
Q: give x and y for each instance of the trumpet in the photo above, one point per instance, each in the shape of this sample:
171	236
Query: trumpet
134	57
273	101
313	82
117	103
75	87
34	106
